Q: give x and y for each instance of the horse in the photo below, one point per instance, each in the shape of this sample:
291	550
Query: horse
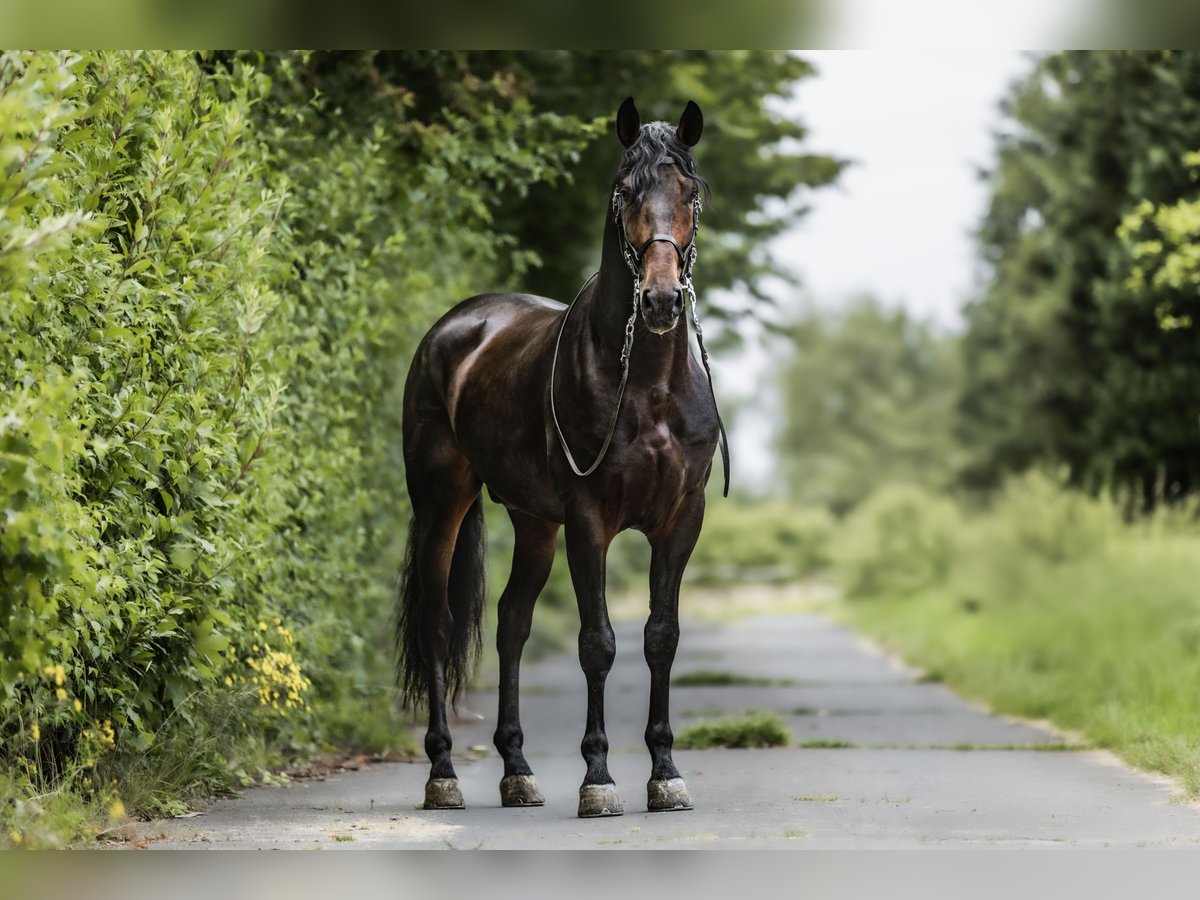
506	391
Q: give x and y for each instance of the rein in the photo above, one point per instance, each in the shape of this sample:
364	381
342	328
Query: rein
633	259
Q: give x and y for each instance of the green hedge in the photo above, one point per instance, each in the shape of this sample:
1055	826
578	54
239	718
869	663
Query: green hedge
211	274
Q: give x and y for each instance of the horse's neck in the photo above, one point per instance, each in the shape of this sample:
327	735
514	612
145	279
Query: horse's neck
606	309
655	360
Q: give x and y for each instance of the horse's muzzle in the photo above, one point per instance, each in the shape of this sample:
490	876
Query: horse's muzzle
661	309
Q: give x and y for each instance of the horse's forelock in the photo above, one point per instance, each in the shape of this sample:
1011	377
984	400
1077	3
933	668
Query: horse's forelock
656	145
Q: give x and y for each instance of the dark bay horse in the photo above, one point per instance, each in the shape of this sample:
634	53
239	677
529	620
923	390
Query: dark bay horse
509	391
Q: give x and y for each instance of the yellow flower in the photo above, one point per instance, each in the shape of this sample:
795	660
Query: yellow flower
78	706
36	732
117	809
61	693
15	836
262	626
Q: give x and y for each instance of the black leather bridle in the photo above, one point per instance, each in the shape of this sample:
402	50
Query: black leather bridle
633	259
635	255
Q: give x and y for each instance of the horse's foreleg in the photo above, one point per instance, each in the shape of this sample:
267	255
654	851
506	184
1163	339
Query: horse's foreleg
671	549
587	547
533	557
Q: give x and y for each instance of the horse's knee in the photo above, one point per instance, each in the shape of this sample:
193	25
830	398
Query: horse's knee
597	650
661	642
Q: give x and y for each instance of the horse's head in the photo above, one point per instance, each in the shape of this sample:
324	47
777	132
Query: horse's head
656	200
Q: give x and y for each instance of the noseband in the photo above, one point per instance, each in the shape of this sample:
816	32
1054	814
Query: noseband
634	257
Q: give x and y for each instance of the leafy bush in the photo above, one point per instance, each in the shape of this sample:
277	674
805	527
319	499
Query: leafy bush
1037	515
763	540
210	276
900	540
138	392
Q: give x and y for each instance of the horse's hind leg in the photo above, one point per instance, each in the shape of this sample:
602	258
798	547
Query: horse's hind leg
533	556
443	495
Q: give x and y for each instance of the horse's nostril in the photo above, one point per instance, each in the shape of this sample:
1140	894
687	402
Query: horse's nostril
657	302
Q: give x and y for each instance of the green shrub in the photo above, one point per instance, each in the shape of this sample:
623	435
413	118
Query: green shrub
211	274
901	539
137	393
1037	515
1034	522
760	540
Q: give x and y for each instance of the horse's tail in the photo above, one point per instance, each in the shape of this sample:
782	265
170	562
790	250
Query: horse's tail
467	593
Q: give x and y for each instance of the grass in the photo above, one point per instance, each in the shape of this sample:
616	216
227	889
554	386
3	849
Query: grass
721	678
967	747
828	744
184	767
753	729
1106	645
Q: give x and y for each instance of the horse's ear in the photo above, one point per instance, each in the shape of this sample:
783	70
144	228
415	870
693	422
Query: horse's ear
691	124
629	123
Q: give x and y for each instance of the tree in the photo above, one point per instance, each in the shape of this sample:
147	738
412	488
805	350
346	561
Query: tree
868	399
552	228
1064	362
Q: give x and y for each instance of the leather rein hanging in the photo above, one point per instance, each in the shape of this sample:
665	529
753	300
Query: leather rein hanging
633	259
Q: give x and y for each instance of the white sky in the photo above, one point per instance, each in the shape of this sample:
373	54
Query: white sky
918	125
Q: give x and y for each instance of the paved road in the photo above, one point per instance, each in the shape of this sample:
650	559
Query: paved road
906	779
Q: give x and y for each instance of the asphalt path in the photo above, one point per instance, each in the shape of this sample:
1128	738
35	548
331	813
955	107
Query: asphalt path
879	758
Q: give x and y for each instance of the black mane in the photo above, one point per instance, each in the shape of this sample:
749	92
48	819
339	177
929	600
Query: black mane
657	144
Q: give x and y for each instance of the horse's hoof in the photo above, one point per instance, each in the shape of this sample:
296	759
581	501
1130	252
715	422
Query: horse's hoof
520	790
667	794
443	793
599	800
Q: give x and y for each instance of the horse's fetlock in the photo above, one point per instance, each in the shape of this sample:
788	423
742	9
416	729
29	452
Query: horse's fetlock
508	737
437	744
659	734
594	744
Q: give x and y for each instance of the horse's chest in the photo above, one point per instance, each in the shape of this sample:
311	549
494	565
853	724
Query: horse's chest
656	461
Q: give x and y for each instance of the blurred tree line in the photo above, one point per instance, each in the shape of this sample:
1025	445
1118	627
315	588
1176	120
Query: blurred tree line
1080	353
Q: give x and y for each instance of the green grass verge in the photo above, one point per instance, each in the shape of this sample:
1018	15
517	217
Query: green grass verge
1107	645
754	729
